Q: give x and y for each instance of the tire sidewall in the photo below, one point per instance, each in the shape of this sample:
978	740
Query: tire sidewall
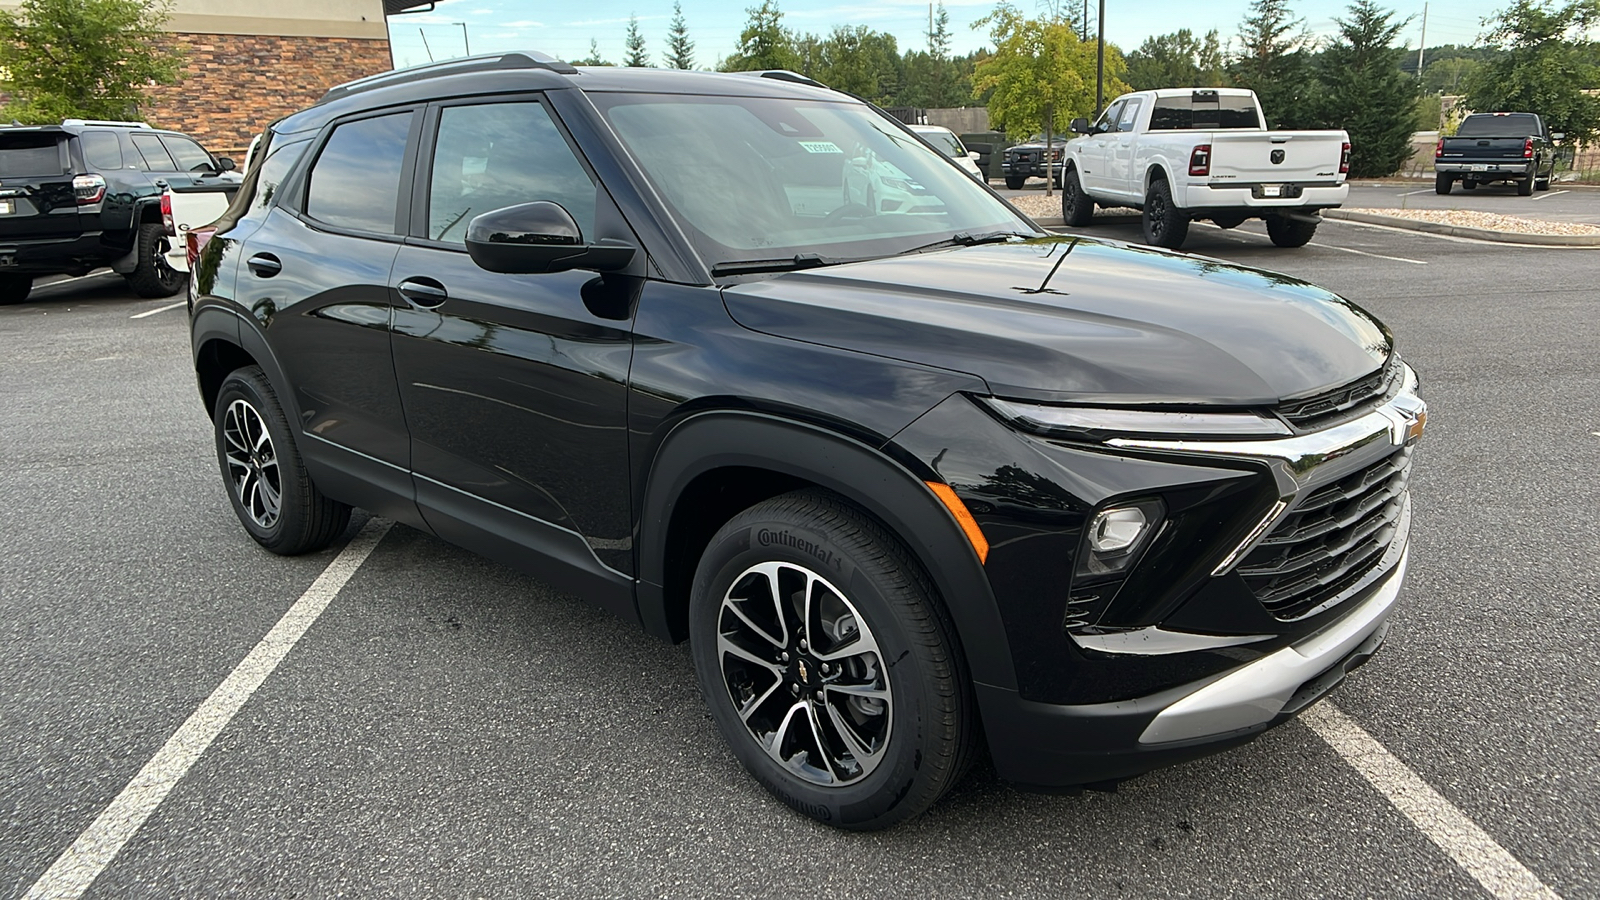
753	538
246	384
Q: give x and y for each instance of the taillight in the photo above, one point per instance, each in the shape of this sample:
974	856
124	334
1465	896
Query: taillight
1527	148
88	189
1438	150
1344	159
166	214
195	240
1200	160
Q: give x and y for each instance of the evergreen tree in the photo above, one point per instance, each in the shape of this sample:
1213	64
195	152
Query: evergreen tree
860	61
594	58
1272	62
636	57
1365	92
764	43
1177	60
1548	65
94	59
680	50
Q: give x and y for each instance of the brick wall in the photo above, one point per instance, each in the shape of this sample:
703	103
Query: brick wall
234	85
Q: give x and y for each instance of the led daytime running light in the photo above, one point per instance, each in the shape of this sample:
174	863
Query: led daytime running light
1094	422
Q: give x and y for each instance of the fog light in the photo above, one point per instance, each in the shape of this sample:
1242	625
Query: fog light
1115	530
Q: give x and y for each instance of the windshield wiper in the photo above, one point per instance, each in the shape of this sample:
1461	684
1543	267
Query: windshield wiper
785	264
968	239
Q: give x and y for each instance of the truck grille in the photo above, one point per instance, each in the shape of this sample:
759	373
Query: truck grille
1328	541
1311	413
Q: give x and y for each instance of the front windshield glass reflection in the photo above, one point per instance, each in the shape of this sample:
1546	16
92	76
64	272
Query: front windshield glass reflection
767	178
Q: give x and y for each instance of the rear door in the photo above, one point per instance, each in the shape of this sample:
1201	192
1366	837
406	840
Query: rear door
37	201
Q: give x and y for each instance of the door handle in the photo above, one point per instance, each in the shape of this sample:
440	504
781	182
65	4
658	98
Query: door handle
423	293
264	265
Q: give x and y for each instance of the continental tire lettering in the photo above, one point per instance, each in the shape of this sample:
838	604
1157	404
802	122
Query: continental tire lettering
815	810
767	537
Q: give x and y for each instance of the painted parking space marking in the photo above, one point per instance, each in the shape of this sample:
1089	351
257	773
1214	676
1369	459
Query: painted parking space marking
78	866
159	309
1500	873
1414	262
1413	193
1548	195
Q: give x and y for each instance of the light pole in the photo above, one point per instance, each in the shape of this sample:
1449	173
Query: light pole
1100	63
464	40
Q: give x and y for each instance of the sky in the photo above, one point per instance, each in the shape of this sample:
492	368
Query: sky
563	29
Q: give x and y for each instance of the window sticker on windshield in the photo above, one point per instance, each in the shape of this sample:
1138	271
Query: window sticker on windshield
820	147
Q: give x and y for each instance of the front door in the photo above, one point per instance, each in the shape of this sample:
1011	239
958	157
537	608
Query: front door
1093	152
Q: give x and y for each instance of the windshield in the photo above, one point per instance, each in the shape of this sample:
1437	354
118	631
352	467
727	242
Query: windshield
946	142
1503	125
765	178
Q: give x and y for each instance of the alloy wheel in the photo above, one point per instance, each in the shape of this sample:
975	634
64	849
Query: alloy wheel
252	463
805	673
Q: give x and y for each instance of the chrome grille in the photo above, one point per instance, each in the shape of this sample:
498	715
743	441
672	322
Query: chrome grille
1310	413
1328	541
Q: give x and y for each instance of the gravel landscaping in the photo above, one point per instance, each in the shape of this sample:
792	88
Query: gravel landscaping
1038	206
1489	221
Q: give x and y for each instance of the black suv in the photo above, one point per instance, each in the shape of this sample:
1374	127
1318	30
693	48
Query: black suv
906	481
1021	161
85	194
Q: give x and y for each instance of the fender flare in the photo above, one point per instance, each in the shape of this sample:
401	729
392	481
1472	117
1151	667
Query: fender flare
217	323
864	474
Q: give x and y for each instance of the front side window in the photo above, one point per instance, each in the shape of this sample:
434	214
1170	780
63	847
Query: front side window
156	158
497	155
1108	119
189	156
355	182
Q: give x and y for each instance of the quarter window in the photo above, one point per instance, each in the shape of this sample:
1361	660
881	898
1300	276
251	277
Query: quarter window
102	150
155	156
497	155
355	182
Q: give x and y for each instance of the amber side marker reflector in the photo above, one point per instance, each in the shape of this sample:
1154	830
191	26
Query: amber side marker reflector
959	510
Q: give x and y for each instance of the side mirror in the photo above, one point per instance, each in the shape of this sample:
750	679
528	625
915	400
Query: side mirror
1558	136
1080	125
225	164
538	238
974	155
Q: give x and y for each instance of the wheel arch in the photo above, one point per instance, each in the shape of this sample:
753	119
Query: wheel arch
1157	171
223	342
714	464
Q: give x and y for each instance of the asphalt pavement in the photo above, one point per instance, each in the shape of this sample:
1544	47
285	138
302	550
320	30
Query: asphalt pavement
451	728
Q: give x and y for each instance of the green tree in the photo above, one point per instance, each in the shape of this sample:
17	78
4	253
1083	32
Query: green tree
1040	73
1365	93
636	58
764	43
1177	60
91	59
594	58
1448	76
680	50
1272	61
860	61
1548	65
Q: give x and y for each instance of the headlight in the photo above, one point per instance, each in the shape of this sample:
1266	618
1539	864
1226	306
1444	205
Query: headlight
1102	423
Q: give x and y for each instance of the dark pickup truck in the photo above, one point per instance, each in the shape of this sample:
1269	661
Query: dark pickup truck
1027	159
1500	146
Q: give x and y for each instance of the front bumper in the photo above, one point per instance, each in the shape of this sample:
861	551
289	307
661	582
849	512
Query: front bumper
1034	169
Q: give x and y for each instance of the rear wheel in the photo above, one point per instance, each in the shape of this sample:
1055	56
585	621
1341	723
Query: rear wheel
1525	186
1542	184
15	288
1287	232
1467	184
1015	182
828	664
154	276
1077	208
1441	183
1165	225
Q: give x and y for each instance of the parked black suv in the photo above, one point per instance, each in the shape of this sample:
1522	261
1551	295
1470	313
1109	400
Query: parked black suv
85	194
906	481
1026	160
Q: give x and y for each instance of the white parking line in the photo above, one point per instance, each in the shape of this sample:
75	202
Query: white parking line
1414	262
1409	193
1548	195
159	309
78	866
1470	846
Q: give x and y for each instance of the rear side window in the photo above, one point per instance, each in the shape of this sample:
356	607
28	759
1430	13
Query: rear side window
101	150
1130	114
274	169
1204	112
155	156
35	153
190	157
355	182
1510	125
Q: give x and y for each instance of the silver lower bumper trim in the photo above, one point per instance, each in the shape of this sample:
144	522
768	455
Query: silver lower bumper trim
1256	693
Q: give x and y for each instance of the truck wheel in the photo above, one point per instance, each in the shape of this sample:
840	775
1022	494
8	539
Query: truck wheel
1015	182
1525	186
154	277
1077	208
1467	184
828	663
1165	225
15	288
1541	184
1287	232
1441	183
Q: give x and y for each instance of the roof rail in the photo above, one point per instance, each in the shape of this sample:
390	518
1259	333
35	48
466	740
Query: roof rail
105	123
785	75
487	63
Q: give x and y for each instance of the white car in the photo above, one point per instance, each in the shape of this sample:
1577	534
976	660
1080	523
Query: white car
947	143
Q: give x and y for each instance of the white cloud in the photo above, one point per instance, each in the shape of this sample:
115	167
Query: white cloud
619	21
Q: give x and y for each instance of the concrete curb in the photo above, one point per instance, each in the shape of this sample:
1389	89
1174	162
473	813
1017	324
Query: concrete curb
1463	231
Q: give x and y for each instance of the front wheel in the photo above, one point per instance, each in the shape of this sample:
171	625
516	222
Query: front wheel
15	288
153	276
1165	225
1287	232
1015	182
828	663
1441	183
1077	208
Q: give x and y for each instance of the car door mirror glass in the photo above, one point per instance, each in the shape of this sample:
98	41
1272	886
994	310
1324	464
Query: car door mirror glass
1558	136
536	238
225	164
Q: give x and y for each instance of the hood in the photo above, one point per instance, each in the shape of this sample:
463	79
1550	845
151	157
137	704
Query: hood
1114	323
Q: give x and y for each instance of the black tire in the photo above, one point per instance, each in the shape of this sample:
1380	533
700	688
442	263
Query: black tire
1227	221
1525	186
258	457
1542	184
1015	182
1467	184
1287	232
1165	225
15	288
916	734
1441	183
1077	208
154	277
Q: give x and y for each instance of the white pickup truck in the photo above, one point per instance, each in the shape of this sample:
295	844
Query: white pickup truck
187	207
1181	154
